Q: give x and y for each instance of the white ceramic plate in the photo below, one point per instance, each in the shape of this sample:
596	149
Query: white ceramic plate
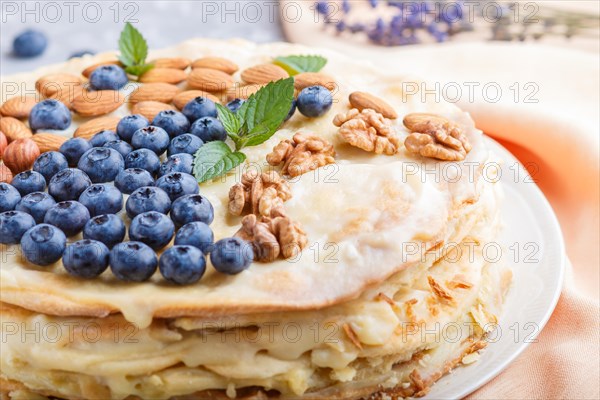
533	246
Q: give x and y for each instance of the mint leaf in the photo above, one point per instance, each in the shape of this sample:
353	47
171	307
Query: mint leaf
265	110
134	50
138	70
214	159
297	64
231	122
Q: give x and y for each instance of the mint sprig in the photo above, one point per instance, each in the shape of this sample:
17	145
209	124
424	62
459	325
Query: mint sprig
302	63
214	159
254	123
134	50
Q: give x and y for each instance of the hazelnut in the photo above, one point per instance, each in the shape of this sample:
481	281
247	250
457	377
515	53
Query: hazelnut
5	174
20	154
3	144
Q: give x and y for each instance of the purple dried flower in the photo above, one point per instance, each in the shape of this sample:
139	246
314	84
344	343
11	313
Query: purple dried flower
374	3
345	6
322	7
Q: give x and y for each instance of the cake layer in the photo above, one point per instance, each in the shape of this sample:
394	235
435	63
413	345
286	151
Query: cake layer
360	214
401	335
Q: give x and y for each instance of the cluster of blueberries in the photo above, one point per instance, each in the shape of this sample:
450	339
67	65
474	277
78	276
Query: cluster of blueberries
79	198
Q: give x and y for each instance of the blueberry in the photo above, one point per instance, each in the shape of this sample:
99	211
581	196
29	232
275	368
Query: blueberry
174	122
121	146
68	184
101	164
49	114
147	198
108	77
13	224
231	255
178	184
133	261
28	182
102	199
86	258
292	110
29	44
152	138
43	244
131	179
48	164
314	101
129	124
36	204
152	228
103	137
144	159
196	234
186	143
68	216
73	149
81	53
191	208
198	108
9	197
235	105
182	265
209	129
108	229
177	163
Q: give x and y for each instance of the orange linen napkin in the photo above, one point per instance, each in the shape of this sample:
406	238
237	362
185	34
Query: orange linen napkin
552	126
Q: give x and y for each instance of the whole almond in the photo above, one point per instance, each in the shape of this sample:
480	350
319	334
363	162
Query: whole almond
172	62
18	107
150	109
218	63
67	95
20	154
181	99
422	122
6	175
48	141
306	79
50	85
14	129
100	102
264	73
362	100
165	75
93	126
3	144
242	92
88	71
210	80
163	92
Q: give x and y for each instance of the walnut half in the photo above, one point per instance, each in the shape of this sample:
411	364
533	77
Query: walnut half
273	236
258	192
305	152
436	137
368	130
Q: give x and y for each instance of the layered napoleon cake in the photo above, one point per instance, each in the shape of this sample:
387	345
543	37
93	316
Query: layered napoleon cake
366	225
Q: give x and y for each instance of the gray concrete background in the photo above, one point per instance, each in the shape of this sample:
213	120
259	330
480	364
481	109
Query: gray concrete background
95	25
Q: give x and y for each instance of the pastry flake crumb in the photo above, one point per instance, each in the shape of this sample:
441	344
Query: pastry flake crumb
439	291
